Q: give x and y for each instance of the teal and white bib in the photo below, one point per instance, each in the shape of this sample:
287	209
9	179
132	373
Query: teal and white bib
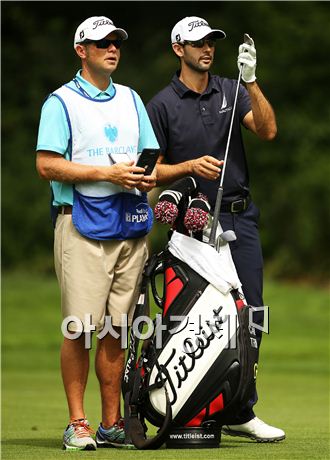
99	127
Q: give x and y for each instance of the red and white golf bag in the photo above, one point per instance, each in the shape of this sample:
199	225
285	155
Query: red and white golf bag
198	368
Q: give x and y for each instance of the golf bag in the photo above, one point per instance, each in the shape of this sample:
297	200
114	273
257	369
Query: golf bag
198	368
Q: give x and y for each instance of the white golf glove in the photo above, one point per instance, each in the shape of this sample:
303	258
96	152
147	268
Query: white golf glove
247	56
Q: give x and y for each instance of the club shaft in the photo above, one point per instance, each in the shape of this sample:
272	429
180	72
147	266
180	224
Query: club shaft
217	206
215	219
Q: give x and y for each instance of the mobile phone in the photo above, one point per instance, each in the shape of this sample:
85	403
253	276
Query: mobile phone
148	160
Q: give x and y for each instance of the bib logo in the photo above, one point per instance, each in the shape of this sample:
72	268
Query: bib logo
111	132
140	215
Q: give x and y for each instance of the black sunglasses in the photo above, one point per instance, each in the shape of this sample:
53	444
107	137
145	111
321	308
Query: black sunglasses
104	43
200	43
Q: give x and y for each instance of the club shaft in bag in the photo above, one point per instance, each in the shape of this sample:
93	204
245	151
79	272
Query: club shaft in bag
218	201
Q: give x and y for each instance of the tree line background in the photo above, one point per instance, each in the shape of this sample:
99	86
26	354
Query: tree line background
289	176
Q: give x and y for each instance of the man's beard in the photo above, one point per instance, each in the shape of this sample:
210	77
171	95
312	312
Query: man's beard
197	67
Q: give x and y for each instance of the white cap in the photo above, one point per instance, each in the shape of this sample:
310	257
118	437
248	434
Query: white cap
193	28
96	28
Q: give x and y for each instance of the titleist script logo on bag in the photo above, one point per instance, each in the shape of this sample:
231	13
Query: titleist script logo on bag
187	356
194	24
141	214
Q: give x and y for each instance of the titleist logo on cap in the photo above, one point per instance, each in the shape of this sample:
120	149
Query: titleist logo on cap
102	22
195	24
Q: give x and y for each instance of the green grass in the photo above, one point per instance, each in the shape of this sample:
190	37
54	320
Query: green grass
292	380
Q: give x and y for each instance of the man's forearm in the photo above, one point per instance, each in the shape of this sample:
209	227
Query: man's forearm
263	113
52	166
167	174
61	170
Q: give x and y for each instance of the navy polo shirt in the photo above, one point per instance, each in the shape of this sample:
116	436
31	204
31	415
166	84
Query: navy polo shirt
189	125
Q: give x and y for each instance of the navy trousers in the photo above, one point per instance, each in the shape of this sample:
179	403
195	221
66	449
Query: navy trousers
247	255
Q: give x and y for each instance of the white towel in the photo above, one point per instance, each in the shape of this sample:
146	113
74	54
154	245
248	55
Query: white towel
216	267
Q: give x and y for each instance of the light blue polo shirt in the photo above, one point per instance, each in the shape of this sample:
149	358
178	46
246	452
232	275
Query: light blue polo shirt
54	132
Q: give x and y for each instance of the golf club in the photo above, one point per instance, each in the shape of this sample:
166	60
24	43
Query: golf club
248	40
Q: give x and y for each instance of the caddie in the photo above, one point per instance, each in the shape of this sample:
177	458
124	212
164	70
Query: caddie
91	131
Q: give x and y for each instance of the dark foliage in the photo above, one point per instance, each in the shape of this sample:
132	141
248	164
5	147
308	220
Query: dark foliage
289	176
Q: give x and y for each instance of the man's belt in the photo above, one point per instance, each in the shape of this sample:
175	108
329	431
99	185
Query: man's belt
237	205
234	206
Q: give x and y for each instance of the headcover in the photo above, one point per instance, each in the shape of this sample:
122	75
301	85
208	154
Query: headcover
182	207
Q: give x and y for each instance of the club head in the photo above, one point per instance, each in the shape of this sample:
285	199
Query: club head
225	238
248	40
228	236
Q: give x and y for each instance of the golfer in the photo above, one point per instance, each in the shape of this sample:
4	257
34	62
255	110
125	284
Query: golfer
90	133
191	118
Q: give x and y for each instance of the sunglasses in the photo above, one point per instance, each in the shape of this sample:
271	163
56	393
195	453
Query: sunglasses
104	43
200	43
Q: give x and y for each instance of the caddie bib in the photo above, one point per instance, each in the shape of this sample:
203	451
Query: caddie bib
99	128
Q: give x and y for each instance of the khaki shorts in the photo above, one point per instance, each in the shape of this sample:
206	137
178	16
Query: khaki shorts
97	277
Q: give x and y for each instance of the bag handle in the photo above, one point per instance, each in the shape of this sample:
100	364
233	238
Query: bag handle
158	270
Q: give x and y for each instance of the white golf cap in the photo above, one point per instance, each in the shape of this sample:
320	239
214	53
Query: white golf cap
96	28
193	28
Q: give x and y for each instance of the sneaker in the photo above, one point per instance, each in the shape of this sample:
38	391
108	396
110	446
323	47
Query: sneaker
77	436
113	436
255	429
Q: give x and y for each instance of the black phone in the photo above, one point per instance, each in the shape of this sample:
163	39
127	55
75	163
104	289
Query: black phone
148	160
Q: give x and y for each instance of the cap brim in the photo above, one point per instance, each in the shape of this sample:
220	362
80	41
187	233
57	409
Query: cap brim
121	33
198	34
102	33
216	33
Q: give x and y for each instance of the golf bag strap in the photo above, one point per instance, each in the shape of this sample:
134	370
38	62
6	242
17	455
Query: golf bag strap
141	308
137	428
